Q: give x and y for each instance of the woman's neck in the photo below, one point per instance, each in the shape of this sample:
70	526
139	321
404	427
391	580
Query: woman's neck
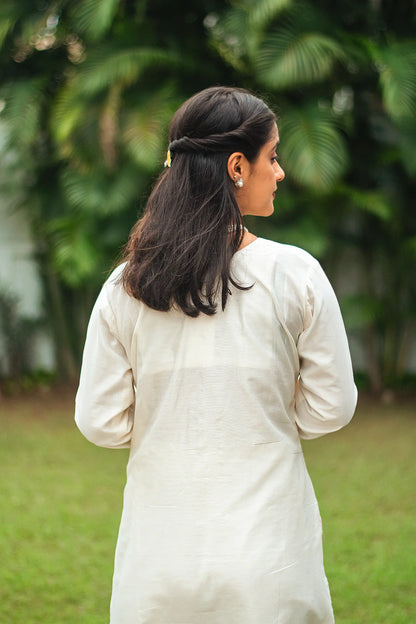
247	239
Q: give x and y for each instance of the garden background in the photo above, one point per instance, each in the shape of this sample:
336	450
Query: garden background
87	89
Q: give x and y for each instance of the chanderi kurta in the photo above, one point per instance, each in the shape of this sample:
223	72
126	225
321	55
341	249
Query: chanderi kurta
220	524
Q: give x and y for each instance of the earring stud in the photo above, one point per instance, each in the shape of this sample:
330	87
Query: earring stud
239	183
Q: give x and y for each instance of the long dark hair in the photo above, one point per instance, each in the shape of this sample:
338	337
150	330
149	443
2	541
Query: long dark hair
179	253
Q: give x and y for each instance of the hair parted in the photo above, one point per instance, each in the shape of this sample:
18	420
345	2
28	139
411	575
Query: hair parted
179	253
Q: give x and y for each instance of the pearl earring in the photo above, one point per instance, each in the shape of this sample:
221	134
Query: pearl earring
239	183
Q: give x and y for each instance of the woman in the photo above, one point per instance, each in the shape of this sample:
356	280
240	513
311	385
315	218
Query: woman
210	353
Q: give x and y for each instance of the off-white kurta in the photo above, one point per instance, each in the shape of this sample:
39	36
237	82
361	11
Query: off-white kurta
220	523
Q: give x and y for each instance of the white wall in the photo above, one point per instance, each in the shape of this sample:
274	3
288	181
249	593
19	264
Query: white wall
19	276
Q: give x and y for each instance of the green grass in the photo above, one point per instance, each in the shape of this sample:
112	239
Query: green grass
365	481
60	504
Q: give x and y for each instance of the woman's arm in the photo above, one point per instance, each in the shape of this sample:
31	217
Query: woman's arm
104	406
326	395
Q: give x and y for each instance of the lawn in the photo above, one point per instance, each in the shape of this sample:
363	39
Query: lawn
60	503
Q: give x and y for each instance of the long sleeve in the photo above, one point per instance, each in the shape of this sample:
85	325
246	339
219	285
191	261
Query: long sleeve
326	395
104	403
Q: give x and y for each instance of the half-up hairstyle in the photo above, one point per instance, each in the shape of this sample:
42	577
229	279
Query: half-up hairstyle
179	253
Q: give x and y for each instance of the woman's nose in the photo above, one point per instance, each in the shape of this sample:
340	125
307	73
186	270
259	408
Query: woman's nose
280	174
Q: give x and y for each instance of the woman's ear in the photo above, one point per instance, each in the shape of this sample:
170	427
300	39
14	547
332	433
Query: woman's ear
235	165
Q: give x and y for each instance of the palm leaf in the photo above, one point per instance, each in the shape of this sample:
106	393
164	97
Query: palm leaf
76	132
369	201
397	67
372	202
289	58
67	111
313	150
100	194
105	67
262	12
23	103
144	129
75	254
239	31
232	38
141	128
94	17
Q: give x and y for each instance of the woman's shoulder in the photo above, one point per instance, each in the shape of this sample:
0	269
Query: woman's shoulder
113	293
116	274
280	253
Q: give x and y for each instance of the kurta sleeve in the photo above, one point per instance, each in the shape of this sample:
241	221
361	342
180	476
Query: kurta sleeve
326	395
104	405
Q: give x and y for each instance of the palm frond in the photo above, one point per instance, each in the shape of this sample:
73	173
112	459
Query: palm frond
289	58
67	112
23	103
144	129
232	38
74	253
104	67
396	64
76	132
369	201
238	33
94	17
313	151
138	128
99	194
262	12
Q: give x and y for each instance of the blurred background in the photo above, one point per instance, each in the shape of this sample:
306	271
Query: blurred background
87	90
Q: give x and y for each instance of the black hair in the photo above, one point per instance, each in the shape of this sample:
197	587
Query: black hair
179	253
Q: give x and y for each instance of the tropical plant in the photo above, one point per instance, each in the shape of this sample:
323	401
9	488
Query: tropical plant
343	76
89	87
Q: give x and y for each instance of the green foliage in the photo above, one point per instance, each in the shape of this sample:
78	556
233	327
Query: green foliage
373	202
260	13
313	148
106	66
343	81
396	64
23	101
89	88
94	17
291	59
98	193
279	45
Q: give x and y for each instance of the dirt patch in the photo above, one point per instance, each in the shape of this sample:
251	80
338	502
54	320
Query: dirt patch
40	403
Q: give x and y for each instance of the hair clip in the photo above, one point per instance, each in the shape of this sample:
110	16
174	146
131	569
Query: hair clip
168	161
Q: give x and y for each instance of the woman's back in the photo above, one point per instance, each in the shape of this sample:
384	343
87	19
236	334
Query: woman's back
220	522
